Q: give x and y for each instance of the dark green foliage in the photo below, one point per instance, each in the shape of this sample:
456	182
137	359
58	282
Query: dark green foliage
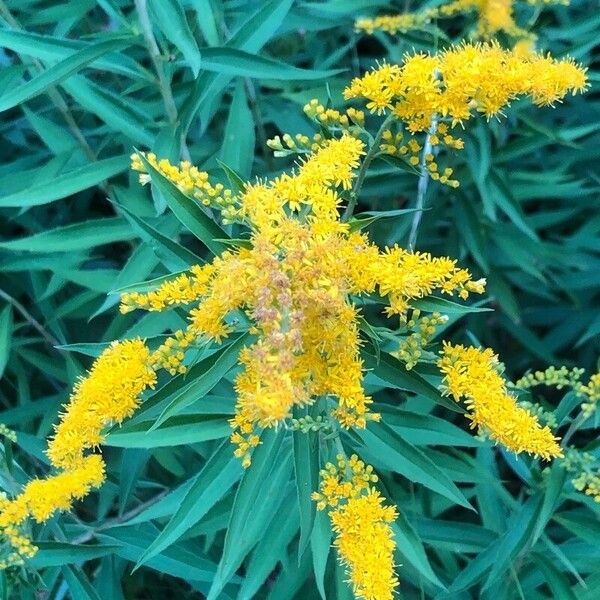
82	86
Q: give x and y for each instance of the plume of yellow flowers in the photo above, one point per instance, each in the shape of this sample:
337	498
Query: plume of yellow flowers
493	17
109	394
429	95
361	523
473	375
296	283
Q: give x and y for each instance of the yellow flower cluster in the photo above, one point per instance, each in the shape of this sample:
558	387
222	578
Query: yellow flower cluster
189	179
494	16
592	391
429	95
393	24
472	374
589	484
295	283
462	80
110	393
558	378
361	523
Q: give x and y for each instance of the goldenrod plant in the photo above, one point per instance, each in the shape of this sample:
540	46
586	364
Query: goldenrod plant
284	307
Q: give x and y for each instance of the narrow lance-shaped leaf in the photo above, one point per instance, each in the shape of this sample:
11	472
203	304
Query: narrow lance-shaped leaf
65	184
215	479
60	71
170	17
79	236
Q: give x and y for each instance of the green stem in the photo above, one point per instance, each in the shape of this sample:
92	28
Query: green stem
422	186
362	172
163	83
579	420
258	121
52	341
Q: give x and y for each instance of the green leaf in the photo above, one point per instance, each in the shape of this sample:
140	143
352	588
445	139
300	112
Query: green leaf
424	429
87	349
554	486
444	306
79	585
207	371
56	554
411	547
188	211
50	48
172	253
175	431
6	331
232	61
238	185
215	479
207	21
239	138
320	544
260	487
390	451
65	184
57	138
520	528
79	236
270	549
148	285
366	218
120	112
251	36
306	466
200	384
60	71
394	374
169	15
177	560
557	581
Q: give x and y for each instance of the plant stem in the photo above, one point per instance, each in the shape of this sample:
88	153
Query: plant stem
258	120
362	172
577	422
422	185
163	84
31	320
134	512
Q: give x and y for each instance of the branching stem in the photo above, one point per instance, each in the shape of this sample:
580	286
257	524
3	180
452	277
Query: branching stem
362	172
134	512
422	185
157	60
31	319
577	422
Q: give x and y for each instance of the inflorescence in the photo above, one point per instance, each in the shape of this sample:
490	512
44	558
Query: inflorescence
295	286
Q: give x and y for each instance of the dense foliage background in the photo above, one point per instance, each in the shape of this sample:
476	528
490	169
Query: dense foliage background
83	84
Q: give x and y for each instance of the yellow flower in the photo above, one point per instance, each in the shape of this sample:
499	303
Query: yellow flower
109	393
468	77
296	284
472	374
361	523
